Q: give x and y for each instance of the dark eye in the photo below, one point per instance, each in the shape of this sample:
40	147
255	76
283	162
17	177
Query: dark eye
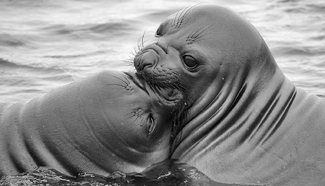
151	123
190	61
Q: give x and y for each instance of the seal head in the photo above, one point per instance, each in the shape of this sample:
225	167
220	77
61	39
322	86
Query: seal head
107	122
210	53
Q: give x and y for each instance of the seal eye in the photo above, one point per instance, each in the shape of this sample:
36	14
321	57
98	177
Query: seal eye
151	123
190	62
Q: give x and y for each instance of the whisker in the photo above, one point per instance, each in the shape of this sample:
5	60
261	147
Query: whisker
140	44
197	34
126	81
117	85
130	60
181	15
142	39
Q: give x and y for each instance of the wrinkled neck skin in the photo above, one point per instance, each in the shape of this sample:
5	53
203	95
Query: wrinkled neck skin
67	130
256	129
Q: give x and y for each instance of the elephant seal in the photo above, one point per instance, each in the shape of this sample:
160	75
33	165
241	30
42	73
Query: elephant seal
107	122
244	121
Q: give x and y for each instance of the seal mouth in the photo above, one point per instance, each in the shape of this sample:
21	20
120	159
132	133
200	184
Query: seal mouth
138	81
169	95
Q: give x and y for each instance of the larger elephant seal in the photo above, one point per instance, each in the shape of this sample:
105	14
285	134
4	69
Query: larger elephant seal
245	122
107	122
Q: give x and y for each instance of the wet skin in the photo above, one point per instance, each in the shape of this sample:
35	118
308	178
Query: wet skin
244	122
106	122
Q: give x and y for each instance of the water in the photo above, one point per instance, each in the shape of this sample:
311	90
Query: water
167	173
45	44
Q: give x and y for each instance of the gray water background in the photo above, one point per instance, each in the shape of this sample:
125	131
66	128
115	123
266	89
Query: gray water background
45	44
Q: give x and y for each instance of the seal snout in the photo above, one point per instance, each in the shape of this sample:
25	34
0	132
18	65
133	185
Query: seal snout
168	93
145	59
149	56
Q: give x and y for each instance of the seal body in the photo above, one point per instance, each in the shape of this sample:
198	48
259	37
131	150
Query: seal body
107	122
272	137
244	121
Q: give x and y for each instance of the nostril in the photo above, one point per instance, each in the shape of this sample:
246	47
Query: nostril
146	60
144	66
140	64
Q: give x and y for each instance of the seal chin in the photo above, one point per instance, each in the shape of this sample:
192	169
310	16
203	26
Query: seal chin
167	95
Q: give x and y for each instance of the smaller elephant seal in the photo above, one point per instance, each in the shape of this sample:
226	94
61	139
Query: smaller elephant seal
107	122
244	121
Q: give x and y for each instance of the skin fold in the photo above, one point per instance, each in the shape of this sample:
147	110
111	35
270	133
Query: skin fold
244	121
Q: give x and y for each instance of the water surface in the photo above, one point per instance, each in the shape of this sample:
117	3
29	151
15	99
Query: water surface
45	44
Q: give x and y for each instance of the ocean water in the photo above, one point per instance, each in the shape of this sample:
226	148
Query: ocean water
45	44
167	173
